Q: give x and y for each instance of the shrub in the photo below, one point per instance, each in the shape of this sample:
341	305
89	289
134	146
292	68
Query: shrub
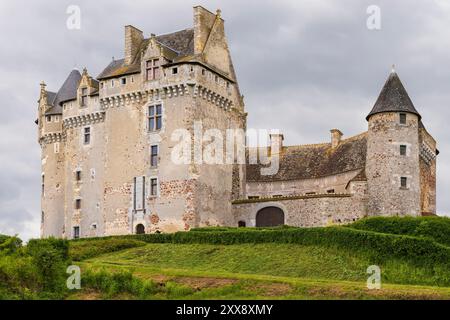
9	245
436	228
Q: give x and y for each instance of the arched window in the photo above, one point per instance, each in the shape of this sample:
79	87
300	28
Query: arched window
140	229
270	217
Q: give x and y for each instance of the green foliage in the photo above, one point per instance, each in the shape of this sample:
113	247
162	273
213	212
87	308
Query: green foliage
378	245
85	249
436	228
9	245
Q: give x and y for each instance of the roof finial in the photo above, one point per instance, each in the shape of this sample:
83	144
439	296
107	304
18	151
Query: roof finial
393	68
219	13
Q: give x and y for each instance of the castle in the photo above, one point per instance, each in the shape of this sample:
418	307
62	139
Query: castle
107	147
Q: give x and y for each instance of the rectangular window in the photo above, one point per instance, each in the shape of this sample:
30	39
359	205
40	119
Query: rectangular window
155	118
331	191
403	150
87	135
84	97
404	182
152	71
76	232
154	187
78	204
78	175
49	118
112	83
402	118
154	156
124	81
43	185
175	71
56	147
42	217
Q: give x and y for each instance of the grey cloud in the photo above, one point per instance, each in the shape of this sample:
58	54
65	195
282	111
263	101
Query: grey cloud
303	66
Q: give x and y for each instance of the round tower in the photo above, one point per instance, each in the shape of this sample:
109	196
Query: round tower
392	164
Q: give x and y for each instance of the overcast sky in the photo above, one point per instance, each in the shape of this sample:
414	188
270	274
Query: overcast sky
304	67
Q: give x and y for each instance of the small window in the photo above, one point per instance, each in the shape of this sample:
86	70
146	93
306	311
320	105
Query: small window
56	147
43	185
84	97
112	83
78	204
132	79
124	81
154	187
78	176
94	226
242	224
403	150
310	193
402	118
203	72
56	118
331	191
76	232
49	118
217	79
102	85
155	118
154	156
175	71
404	182
42	217
87	135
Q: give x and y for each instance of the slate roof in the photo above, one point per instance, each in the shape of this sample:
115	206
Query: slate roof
180	42
393	98
315	161
67	92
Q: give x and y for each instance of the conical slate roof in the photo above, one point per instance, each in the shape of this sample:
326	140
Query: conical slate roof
393	98
69	89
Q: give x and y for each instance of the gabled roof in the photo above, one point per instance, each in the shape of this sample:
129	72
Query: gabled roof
393	98
316	161
181	43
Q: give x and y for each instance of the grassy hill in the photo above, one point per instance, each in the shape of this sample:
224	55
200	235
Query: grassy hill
270	263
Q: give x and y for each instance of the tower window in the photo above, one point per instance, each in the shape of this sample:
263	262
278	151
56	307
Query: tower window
78	175
78	204
403	150
404	182
48	118
154	187
84	96
152	69
175	71
154	156
42	217
43	185
76	232
155	118
87	135
331	191
402	118
124	81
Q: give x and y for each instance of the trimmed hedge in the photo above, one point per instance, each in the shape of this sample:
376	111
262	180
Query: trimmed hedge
377	245
436	228
85	249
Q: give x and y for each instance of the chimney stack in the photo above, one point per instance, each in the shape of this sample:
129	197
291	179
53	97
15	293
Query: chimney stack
336	137
276	139
133	39
203	23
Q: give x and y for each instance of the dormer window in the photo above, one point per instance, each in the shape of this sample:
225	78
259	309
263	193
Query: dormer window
84	97
152	70
402	118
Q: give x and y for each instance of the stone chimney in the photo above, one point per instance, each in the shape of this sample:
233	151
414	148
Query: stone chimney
336	137
203	23
276	139
133	39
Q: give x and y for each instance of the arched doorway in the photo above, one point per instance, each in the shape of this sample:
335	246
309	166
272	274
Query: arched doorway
140	229
270	217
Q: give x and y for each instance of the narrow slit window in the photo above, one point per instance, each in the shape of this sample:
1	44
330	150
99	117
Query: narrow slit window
76	232
78	204
78	176
84	97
